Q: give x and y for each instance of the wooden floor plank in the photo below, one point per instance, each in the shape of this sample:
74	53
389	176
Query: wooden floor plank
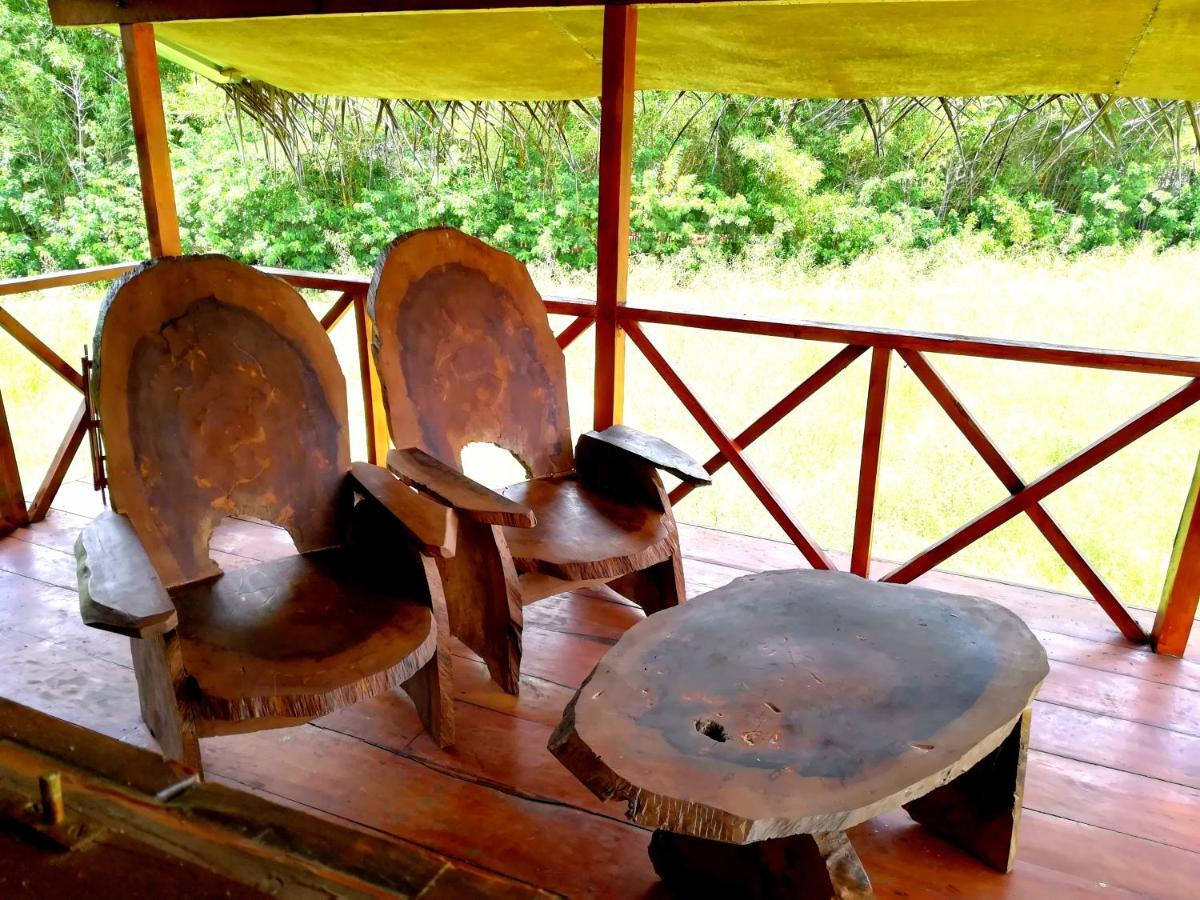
1122	697
1112	786
1131	804
544	844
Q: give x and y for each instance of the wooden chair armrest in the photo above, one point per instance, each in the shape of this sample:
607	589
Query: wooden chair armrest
452	487
119	590
434	526
648	449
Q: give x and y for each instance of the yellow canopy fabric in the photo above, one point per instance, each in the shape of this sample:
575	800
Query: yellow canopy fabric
794	48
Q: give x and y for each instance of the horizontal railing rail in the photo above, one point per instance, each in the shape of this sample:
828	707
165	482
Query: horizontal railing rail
913	347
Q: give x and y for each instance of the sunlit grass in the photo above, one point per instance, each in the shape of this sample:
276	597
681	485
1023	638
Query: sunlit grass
1122	515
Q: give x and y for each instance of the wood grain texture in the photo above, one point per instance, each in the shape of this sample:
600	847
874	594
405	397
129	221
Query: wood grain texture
980	810
650	449
797	702
483	599
119	591
465	353
452	487
434	526
582	534
206	372
288	640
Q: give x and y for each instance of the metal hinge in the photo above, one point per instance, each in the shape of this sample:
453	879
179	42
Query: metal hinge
95	438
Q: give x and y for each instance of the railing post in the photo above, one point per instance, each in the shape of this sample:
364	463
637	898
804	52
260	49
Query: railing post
150	138
612	237
374	414
868	473
1177	608
12	499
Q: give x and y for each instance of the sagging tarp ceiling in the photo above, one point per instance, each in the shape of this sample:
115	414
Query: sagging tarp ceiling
795	48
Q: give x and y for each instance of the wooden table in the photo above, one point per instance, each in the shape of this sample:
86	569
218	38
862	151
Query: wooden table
752	726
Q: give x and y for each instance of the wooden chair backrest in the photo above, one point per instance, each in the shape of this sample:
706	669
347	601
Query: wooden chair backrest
218	394
465	352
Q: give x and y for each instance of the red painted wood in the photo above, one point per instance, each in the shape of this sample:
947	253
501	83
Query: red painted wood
868	472
612	236
778	412
766	496
568	335
1007	473
1062	474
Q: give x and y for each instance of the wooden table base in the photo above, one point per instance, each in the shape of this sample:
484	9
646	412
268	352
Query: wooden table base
817	866
978	812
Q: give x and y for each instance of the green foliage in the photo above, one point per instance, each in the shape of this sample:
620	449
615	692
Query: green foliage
823	181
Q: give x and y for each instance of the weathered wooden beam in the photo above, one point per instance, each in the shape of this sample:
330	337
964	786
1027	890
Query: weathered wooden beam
612	238
150	138
1177	609
868	472
112	12
12	499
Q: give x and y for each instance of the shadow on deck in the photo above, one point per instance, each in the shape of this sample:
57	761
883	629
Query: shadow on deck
1112	797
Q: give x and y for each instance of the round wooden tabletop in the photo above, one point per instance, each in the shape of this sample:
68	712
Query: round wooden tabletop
796	702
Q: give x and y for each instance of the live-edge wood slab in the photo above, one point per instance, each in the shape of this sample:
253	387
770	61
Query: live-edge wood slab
800	703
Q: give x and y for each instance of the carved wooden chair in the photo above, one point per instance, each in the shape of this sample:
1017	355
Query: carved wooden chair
219	394
465	354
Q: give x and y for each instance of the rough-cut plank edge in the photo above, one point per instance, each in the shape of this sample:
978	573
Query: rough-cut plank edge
657	811
215	713
469	497
654	450
604	569
434	526
119	591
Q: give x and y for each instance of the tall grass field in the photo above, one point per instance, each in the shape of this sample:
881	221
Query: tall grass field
1123	514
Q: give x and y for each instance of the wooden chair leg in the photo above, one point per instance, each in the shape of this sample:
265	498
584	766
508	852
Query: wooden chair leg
660	586
483	599
432	688
980	810
158	665
816	866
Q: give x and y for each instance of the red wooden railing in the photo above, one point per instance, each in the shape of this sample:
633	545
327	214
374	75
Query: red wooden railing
914	349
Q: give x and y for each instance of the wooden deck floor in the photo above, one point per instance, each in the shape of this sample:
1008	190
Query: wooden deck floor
1112	797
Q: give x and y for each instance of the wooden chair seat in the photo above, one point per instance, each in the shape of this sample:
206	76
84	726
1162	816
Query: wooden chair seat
298	637
584	535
